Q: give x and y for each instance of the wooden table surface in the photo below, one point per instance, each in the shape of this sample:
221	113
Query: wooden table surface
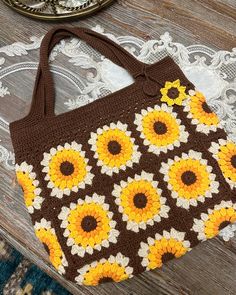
209	269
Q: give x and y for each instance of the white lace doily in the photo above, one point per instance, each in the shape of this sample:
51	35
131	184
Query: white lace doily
87	76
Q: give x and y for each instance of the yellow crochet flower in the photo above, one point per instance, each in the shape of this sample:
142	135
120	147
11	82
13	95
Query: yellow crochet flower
173	93
115	269
88	225
189	179
160	128
163	248
114	148
199	112
27	180
66	169
74	172
46	234
105	272
227	160
211	223
224	151
140	201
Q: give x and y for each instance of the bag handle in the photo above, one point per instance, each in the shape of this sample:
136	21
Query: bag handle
43	102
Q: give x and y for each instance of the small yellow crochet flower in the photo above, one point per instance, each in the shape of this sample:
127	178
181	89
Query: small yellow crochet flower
46	234
173	93
163	248
211	223
113	269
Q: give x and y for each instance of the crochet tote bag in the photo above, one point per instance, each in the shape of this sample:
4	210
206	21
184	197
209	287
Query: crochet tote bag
129	181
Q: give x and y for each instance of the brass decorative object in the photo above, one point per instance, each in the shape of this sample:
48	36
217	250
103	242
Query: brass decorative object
56	9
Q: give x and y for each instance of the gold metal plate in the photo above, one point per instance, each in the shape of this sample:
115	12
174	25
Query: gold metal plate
56	9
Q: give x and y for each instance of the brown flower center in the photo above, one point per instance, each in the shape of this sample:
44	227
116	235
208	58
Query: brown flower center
114	147
88	223
233	161
66	168
105	280
224	224
167	256
173	93
159	127
206	108
188	177
140	201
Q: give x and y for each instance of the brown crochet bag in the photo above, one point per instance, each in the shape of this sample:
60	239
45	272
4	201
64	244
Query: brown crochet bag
129	181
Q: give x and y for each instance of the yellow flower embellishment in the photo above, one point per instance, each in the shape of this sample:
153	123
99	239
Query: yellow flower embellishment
173	93
140	201
27	180
88	225
200	113
214	220
66	169
160	129
163	248
46	234
224	151
190	179
113	269
114	148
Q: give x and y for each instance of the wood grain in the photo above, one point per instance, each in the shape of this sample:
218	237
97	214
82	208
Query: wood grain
210	268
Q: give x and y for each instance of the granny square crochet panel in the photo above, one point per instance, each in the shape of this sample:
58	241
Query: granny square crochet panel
134	188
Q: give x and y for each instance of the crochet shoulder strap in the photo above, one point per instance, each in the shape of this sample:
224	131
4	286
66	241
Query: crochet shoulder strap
44	94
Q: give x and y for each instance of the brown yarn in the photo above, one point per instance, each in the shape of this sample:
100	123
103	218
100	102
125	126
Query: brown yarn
41	130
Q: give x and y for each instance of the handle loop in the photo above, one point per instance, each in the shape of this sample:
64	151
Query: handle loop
150	84
44	93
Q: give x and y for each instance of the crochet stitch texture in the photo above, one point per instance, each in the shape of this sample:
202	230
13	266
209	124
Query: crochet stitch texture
130	181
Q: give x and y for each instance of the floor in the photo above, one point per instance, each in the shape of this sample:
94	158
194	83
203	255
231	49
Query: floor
20	276
210	268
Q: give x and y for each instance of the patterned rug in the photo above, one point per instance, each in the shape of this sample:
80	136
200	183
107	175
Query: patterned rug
18	276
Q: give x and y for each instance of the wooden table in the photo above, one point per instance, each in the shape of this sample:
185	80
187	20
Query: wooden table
211	267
